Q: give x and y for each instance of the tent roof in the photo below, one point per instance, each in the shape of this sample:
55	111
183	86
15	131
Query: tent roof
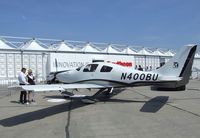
110	49
11	43
169	53
143	51
88	48
33	45
158	53
62	47
129	51
5	45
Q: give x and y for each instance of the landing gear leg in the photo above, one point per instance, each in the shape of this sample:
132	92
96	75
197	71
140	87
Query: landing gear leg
92	99
109	91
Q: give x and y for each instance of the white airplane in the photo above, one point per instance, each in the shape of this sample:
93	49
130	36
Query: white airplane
174	74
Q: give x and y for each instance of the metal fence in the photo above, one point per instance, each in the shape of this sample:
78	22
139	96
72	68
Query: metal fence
14	81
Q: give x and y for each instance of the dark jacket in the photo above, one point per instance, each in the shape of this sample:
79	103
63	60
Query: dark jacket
30	80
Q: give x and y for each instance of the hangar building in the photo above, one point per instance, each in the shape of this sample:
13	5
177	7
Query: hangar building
48	55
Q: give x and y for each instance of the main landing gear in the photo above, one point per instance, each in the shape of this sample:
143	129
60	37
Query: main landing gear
89	99
94	98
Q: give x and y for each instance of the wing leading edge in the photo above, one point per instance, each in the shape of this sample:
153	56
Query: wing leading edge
56	87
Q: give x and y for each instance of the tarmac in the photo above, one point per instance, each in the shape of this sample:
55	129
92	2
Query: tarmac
135	112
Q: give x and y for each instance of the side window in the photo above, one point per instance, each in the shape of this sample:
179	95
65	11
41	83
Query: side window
106	69
90	68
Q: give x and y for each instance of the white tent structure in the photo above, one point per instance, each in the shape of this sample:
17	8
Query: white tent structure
158	53
129	51
169	53
62	46
33	45
5	45
145	52
89	49
110	50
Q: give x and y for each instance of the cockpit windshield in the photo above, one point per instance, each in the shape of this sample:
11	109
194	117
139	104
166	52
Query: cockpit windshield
90	68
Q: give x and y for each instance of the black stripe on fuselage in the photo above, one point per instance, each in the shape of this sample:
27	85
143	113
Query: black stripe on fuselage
122	84
191	53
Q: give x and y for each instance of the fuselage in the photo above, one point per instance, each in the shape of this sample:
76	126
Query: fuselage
108	74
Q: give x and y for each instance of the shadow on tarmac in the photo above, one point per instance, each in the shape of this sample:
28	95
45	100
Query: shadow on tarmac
152	105
35	115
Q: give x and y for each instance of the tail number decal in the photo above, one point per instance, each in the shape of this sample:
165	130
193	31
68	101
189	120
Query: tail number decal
137	76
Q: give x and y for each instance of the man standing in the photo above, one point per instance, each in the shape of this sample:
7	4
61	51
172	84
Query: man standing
22	81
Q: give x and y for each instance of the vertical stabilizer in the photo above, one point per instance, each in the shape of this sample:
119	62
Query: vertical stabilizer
180	65
180	62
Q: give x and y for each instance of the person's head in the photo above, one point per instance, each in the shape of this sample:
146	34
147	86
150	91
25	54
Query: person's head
23	70
30	72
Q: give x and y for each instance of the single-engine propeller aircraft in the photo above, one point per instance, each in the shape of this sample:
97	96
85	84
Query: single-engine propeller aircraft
174	74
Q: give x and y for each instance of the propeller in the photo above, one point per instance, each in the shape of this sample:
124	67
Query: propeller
56	64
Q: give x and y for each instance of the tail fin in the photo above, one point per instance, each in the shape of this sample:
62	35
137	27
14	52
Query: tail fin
180	65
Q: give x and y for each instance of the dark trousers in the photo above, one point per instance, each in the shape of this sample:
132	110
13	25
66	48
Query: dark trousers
23	96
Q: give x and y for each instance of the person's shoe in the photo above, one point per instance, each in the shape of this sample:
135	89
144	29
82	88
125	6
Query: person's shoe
27	103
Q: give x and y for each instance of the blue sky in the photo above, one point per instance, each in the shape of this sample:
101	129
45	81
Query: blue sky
149	23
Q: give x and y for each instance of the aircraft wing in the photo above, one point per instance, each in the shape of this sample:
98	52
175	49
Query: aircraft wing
55	87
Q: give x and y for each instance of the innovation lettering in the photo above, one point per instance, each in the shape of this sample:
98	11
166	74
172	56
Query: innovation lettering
69	64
